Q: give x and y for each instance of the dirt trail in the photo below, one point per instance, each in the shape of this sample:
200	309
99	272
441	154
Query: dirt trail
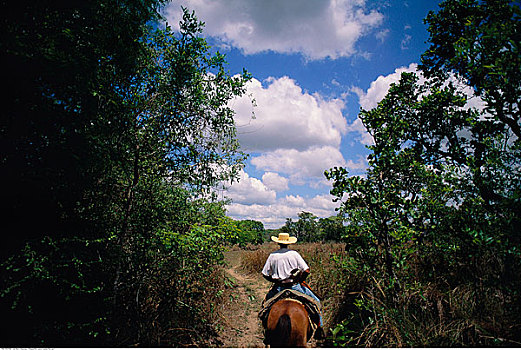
242	327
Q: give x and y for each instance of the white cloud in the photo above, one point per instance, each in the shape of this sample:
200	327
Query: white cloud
252	199
302	166
275	182
369	100
315	28
297	134
274	215
250	190
473	101
361	164
381	35
295	137
322	202
379	87
404	44
363	136
287	117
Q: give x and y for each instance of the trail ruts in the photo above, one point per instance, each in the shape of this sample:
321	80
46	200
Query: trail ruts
241	326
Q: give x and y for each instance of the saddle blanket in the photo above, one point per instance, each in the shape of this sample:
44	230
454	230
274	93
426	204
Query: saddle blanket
310	304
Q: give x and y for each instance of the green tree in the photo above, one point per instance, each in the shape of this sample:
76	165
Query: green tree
54	131
385	210
254	230
113	127
305	228
480	41
289	227
332	228
56	157
440	201
420	211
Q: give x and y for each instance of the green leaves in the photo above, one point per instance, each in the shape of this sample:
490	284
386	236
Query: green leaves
114	127
479	42
439	203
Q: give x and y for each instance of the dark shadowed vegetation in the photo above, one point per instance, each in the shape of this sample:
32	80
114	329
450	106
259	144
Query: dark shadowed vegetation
116	130
433	228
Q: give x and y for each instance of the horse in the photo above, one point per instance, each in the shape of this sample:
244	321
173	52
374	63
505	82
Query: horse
288	325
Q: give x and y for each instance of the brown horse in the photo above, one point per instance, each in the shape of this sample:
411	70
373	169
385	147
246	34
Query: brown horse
288	325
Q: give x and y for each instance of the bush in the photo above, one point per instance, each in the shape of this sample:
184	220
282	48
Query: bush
177	293
57	292
455	309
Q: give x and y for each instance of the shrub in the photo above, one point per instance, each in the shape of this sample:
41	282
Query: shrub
170	298
448	311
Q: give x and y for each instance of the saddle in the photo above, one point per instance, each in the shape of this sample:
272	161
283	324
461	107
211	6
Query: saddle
310	304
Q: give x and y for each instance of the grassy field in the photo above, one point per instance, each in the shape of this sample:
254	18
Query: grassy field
324	279
359	311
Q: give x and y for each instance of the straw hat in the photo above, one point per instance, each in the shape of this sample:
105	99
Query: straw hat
284	238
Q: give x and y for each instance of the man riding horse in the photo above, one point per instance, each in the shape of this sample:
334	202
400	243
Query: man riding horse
286	269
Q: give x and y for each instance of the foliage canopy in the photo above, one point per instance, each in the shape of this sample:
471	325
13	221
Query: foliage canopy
115	130
440	205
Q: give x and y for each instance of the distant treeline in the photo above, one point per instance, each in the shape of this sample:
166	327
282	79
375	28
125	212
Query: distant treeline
310	228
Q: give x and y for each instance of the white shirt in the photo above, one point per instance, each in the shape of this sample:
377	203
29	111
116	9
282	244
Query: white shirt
280	263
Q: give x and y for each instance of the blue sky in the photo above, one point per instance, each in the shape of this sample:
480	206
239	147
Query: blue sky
314	64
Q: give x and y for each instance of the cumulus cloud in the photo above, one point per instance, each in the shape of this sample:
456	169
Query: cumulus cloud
363	136
250	190
302	166
294	136
255	199
369	99
275	182
286	117
315	28
379	87
274	215
360	164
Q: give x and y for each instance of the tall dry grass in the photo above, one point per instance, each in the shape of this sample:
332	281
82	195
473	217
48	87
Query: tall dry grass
252	261
323	260
361	310
460	312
